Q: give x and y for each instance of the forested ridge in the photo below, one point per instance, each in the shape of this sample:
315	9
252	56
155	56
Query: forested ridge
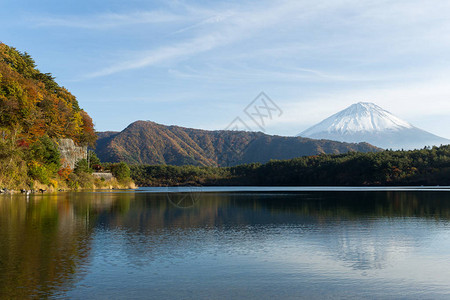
145	142
35	112
429	166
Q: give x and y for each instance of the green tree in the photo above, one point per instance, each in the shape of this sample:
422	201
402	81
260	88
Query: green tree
121	171
93	159
46	152
82	166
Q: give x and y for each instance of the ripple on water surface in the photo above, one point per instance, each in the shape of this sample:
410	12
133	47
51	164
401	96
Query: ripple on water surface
381	244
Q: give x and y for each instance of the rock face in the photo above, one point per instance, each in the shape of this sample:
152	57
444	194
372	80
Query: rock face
70	153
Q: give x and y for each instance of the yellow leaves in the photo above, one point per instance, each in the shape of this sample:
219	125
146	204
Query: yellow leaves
34	164
39	97
77	123
53	183
13	89
37	102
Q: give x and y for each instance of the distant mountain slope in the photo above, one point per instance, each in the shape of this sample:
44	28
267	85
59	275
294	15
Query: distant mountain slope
145	142
367	122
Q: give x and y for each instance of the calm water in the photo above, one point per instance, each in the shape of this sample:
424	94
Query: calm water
226	244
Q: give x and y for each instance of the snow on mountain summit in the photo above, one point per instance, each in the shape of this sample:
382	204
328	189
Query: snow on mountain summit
367	122
359	117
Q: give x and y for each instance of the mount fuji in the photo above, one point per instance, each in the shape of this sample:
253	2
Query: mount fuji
367	122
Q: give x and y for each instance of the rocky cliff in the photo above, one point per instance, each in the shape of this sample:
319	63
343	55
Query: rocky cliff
70	153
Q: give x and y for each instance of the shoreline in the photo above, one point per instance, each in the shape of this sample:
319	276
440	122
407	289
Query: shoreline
243	189
200	189
37	192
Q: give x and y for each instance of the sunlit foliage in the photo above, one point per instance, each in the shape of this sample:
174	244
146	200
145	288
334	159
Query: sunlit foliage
37	103
34	113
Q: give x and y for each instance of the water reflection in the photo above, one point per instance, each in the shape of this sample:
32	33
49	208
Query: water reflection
42	245
74	244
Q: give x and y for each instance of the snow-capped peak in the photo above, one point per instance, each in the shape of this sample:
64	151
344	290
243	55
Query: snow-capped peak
359	118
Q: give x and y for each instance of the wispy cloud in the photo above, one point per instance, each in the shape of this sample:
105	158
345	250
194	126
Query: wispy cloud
380	32
194	46
280	74
219	18
228	28
108	20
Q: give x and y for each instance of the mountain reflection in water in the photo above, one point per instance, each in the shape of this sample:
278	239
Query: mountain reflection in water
79	244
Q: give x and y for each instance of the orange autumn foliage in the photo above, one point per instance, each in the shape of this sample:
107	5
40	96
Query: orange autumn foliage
35	102
65	172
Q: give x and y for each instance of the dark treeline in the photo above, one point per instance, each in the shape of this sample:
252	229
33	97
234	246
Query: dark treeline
429	166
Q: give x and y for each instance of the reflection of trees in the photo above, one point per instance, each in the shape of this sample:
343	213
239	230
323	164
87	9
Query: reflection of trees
155	227
45	241
147	213
42	245
354	205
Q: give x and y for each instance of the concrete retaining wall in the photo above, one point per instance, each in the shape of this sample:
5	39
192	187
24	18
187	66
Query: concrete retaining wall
106	176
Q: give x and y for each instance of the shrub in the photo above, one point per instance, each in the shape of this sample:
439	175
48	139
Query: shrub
121	171
39	172
81	180
64	173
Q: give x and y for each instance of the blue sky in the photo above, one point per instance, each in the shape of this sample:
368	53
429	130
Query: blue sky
200	63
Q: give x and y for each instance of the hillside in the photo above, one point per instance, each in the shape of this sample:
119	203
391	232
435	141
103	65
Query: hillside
34	104
35	113
145	142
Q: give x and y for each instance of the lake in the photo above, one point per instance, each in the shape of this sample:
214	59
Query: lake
227	243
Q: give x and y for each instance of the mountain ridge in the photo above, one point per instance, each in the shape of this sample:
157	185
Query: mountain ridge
146	142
